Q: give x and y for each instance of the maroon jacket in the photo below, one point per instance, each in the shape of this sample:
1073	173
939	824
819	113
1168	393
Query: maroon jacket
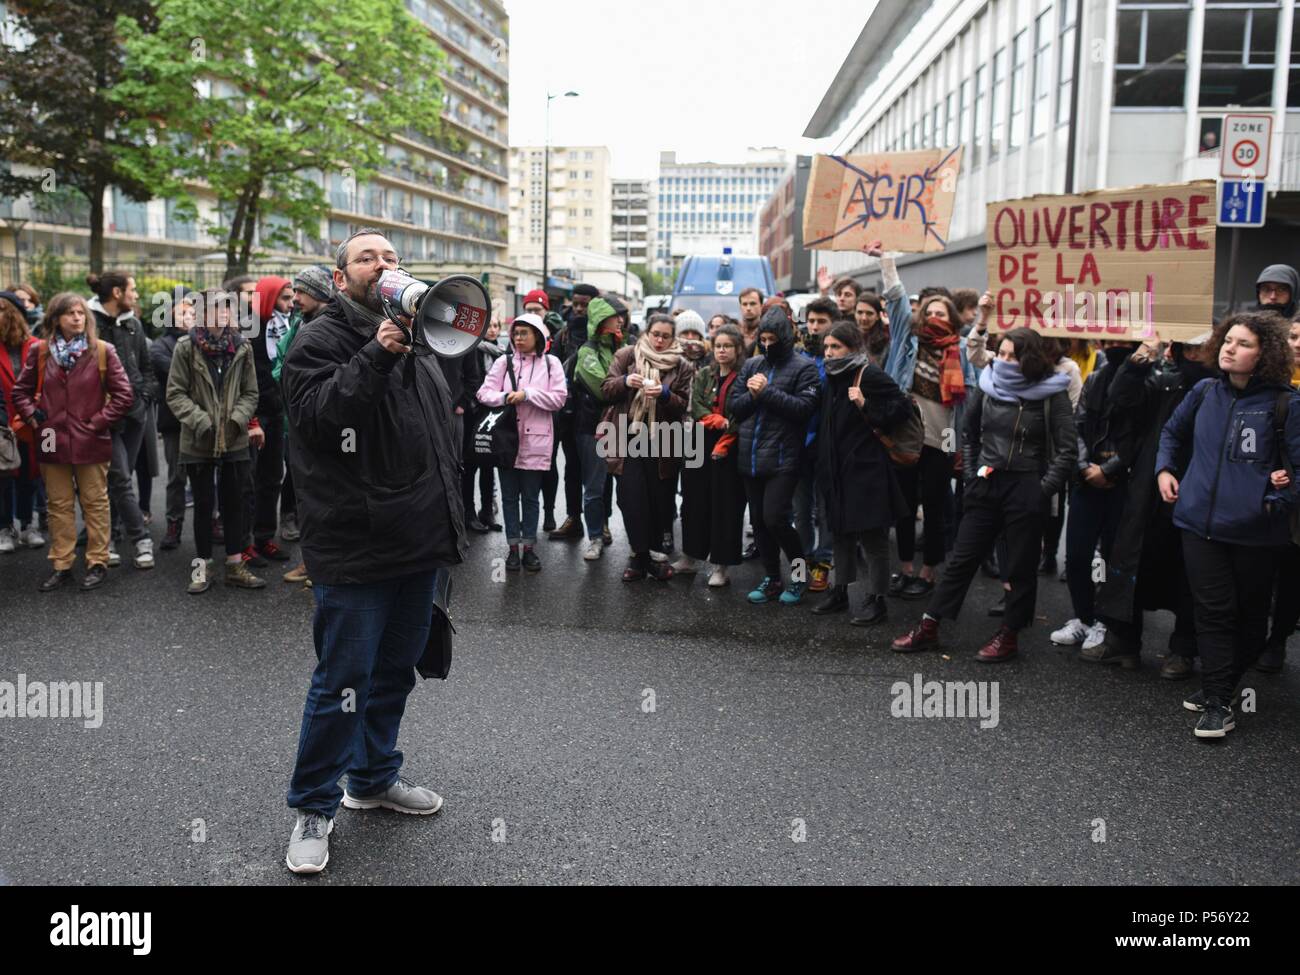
74	406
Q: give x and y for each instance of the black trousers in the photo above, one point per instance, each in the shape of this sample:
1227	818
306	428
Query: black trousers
566	439
927	484
1286	602
1094	517
639	493
1231	590
232	475
713	508
262	497
771	503
1010	502
473	466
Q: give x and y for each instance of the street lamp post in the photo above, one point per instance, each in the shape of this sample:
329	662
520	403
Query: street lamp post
16	225
546	191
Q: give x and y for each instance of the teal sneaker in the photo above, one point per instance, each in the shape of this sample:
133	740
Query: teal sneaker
793	594
766	591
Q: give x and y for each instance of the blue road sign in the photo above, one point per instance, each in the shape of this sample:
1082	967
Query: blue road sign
1241	203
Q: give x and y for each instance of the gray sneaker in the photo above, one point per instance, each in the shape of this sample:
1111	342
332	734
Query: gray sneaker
309	843
401	796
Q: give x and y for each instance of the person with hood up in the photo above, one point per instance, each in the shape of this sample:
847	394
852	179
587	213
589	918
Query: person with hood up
212	391
271	304
1019	448
648	383
533	382
773	399
854	474
114	299
606	320
1232	498
568	334
1276	289
180	321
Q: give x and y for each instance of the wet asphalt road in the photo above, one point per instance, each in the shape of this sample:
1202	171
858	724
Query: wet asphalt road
770	754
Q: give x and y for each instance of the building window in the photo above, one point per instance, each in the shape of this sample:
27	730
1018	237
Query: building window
1042	90
1293	90
963	103
949	121
1019	67
1238	55
998	106
1151	56
981	116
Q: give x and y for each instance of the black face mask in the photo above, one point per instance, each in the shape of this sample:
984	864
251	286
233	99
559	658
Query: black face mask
1193	372
813	343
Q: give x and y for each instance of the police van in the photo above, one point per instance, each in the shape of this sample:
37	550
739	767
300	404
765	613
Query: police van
711	283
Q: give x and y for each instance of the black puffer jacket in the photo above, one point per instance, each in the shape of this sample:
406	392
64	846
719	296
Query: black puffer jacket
374	466
160	357
1107	434
773	426
1014	436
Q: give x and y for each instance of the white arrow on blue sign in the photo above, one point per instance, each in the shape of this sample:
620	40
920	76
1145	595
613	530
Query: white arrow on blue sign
1241	203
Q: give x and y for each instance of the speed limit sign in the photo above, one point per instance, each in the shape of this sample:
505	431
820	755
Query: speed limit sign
1245	146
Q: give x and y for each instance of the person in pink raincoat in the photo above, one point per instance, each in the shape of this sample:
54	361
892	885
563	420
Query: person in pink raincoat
537	390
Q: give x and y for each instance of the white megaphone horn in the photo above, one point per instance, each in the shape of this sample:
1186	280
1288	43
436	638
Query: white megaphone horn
446	319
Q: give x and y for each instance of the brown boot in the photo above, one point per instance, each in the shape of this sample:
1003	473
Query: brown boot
570	528
237	574
924	637
298	574
1001	647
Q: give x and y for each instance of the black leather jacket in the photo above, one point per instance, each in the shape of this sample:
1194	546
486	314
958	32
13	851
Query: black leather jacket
1107	434
1014	437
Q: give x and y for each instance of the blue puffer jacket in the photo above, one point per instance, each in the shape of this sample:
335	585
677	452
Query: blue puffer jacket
773	426
1230	434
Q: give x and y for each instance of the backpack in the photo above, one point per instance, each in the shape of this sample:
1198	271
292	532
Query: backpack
904	441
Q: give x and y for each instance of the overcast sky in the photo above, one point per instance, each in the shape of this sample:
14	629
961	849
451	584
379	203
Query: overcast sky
704	77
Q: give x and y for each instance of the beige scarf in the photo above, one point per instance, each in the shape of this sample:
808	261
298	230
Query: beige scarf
651	366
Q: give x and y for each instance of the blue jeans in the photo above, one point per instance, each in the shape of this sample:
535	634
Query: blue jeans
521	489
368	640
594	474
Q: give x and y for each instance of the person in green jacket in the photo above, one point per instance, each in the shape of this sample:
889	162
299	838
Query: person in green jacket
212	390
606	322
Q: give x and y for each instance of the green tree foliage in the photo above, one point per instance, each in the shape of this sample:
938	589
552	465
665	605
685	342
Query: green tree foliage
59	64
258	99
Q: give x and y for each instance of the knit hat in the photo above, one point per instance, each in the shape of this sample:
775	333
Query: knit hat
14	300
689	321
314	281
590	290
539	296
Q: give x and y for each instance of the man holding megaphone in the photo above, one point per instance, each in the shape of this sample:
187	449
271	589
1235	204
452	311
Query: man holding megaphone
380	512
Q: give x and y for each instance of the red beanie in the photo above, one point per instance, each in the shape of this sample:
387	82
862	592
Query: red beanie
539	296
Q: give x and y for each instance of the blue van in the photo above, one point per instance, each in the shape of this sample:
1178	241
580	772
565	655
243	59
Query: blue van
711	284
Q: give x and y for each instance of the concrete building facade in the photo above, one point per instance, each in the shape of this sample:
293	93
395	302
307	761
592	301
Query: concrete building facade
780	229
581	192
632	220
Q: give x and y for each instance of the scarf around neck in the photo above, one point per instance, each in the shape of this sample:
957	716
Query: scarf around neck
213	343
845	363
651	366
1004	381
66	352
940	347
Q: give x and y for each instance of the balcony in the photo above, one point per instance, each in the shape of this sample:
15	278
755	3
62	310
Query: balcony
444	146
426	179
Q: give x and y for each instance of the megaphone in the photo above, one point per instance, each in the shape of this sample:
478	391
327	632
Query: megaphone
446	319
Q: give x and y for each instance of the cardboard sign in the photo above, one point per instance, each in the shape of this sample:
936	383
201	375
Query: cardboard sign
901	198
1123	264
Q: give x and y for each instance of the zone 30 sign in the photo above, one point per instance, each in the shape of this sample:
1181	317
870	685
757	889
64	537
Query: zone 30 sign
1245	146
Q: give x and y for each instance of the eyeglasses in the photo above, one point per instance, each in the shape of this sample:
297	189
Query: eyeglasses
370	260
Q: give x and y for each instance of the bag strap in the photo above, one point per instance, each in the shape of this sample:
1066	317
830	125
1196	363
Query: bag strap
101	358
42	354
1281	407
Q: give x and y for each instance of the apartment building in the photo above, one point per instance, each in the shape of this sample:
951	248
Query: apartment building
632	220
581	189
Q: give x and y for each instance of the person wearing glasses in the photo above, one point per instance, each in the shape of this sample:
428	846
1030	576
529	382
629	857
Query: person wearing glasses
379	509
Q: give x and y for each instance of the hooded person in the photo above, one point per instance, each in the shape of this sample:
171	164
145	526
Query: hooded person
271	305
179	321
648	384
533	382
1276	289
606	320
773	400
568	333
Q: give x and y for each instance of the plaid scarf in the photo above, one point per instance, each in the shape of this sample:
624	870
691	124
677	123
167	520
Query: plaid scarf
214	342
939	375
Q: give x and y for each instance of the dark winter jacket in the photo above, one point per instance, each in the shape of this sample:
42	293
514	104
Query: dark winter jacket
773	425
1107	435
375	468
160	357
1223	491
126	334
213	416
854	472
1014	436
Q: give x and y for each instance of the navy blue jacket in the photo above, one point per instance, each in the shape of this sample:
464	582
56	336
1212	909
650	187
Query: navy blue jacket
773	427
1224	492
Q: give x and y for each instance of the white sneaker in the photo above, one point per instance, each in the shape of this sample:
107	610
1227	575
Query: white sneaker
1096	635
658	556
8	540
719	577
31	538
1071	634
114	560
686	565
594	548
144	554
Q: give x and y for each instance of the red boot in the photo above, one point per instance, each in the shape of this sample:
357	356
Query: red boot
924	637
1001	647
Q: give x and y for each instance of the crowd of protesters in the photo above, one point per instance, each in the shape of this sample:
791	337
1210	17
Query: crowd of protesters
1167	466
